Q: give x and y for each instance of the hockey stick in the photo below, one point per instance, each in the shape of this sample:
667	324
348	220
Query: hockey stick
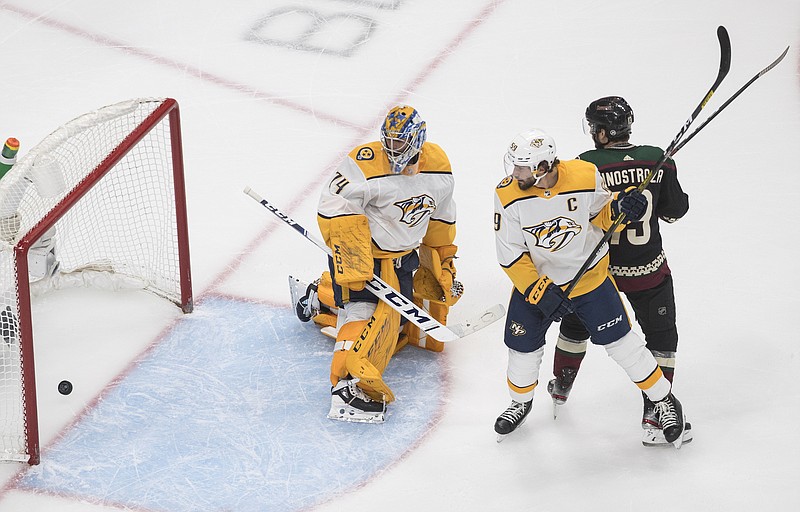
740	91
724	67
415	314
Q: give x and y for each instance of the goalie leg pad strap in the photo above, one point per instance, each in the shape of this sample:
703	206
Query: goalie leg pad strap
345	340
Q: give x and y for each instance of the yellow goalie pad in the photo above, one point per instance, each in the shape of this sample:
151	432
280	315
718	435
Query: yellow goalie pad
351	246
377	344
345	340
413	335
326	298
325	290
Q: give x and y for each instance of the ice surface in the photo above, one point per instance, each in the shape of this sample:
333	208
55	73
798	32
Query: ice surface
272	95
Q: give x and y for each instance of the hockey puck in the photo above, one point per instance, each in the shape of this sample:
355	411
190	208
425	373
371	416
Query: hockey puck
65	387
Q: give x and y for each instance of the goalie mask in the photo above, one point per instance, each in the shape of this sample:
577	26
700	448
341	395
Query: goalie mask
529	149
402	135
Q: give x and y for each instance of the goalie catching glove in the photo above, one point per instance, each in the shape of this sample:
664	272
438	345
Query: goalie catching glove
436	277
549	298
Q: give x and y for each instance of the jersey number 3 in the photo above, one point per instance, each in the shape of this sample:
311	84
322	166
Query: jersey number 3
639	232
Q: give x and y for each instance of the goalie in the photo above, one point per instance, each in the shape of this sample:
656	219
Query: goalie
387	210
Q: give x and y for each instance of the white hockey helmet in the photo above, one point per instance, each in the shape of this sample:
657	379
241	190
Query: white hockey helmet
529	149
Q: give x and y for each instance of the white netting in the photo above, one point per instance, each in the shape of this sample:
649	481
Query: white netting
122	223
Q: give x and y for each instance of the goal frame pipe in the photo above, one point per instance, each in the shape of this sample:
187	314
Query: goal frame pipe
168	107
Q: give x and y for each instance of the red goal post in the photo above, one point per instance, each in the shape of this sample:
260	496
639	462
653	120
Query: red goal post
107	192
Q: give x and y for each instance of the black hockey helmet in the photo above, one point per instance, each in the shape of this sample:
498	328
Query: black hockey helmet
611	113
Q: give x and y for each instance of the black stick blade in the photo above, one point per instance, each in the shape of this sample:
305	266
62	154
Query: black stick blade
725	52
777	61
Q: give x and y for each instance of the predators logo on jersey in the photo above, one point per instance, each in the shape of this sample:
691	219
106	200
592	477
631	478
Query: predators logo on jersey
365	154
554	234
416	209
517	329
508	180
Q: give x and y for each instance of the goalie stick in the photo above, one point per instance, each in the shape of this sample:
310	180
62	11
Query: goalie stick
728	102
724	67
415	314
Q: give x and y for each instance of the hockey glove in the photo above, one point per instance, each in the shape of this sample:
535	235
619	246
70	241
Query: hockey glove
435	279
631	202
451	287
549	298
350	242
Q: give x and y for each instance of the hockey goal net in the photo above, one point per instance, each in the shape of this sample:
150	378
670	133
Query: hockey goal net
102	195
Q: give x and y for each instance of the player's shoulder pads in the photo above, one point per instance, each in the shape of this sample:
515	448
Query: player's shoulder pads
434	159
370	159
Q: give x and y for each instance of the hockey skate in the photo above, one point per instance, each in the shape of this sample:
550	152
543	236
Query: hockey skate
560	387
671	418
655	436
304	298
350	403
649	418
512	418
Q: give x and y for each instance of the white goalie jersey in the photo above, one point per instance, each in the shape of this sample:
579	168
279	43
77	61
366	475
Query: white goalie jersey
401	210
553	231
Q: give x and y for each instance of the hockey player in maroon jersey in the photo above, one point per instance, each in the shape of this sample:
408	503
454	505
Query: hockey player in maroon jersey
549	217
637	259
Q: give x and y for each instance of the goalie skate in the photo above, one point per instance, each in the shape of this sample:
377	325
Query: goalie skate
655	436
304	299
350	403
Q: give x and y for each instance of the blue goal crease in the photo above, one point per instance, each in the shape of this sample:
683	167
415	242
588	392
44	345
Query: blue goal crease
229	412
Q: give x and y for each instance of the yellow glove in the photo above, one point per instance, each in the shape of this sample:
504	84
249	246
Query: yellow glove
452	287
437	275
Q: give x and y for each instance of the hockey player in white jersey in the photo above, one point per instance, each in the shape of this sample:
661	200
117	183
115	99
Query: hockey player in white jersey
549	216
388	207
